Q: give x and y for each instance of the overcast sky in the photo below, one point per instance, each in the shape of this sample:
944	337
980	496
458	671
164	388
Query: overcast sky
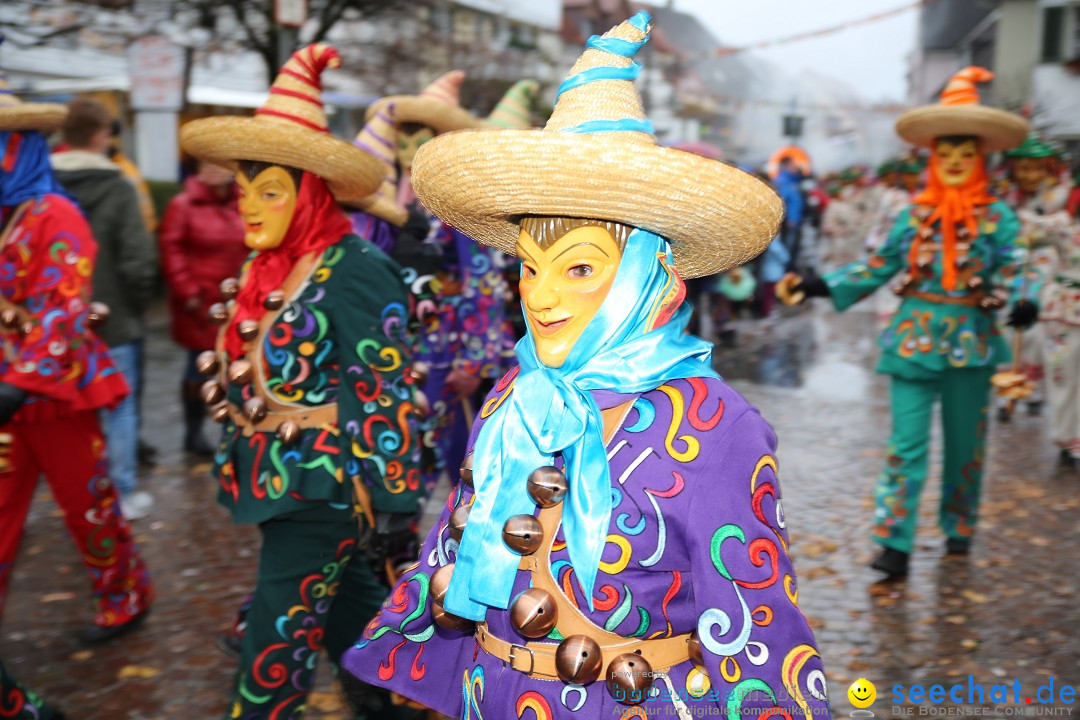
872	58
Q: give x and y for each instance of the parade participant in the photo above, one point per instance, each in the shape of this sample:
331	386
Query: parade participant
202	245
911	175
1039	202
952	244
312	386
125	276
671	568
55	374
19	703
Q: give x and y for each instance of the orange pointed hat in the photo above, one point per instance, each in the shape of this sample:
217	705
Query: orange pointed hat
290	129
18	115
379	137
597	158
437	106
514	110
960	113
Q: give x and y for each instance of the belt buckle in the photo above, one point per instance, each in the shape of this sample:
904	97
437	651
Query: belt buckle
513	656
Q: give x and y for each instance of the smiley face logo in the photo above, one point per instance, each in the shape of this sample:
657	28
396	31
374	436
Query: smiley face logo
862	693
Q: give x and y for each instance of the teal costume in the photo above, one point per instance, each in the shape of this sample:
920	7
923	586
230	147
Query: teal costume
943	345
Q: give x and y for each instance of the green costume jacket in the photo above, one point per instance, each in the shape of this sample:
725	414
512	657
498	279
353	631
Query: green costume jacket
930	335
339	338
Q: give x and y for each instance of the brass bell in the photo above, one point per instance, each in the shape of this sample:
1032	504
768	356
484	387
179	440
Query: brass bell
211	393
578	660
274	301
523	534
207	363
9	319
26	328
230	288
629	678
419	372
466	470
218	314
241	372
976	281
533	613
421	404
288	432
694	648
220	412
255	409
547	486
440	581
248	330
450	621
97	314
458	518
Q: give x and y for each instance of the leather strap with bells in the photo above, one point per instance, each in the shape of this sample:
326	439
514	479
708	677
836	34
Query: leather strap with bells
537	659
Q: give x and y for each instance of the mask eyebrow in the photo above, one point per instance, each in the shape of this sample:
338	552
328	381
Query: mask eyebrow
527	256
579	245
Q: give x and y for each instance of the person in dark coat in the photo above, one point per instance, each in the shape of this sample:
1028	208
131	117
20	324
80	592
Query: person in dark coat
124	278
202	244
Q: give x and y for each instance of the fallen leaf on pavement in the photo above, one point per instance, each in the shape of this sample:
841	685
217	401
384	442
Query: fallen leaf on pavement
137	671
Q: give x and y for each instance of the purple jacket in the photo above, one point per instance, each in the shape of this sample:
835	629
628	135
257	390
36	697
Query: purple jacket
697	541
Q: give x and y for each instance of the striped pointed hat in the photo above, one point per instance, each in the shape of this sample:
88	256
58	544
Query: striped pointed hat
18	115
597	158
290	129
438	106
379	137
960	113
515	108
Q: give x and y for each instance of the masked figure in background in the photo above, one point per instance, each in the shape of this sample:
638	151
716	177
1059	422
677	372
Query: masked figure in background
955	246
55	374
312	386
613	515
463	337
1045	227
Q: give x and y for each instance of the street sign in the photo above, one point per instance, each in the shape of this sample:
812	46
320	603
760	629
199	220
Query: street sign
156	67
290	13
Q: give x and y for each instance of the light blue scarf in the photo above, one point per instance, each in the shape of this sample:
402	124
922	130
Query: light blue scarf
550	411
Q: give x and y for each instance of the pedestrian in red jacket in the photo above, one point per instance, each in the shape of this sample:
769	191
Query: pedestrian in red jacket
202	244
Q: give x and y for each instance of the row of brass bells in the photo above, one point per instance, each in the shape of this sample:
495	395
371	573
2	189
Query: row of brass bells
533	613
458	519
248	330
207	363
220	412
241	372
547	486
97	314
254	409
230	288
440	582
218	313
578	660
288	432
629	678
466	471
523	534
211	392
274	301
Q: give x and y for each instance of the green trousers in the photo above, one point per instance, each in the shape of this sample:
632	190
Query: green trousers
314	590
964	395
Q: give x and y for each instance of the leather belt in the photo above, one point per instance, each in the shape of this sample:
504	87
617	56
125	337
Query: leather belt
537	659
966	300
304	417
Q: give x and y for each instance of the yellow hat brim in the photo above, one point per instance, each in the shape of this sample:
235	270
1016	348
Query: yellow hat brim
42	117
437	115
999	130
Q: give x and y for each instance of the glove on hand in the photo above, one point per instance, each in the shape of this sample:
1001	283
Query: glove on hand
1023	314
11	399
813	286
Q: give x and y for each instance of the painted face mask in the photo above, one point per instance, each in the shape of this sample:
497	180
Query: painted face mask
267	204
563	286
956	163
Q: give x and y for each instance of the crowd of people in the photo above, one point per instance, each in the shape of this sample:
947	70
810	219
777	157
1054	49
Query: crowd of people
353	319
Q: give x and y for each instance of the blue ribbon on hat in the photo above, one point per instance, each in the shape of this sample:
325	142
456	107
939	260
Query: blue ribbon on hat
550	412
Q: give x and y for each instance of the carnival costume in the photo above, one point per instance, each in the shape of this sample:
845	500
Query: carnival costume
312	386
953	244
659	551
55	374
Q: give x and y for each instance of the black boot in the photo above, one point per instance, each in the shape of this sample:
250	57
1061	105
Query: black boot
892	562
194	414
957	546
1066	459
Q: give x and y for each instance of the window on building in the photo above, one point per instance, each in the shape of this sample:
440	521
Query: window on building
1052	35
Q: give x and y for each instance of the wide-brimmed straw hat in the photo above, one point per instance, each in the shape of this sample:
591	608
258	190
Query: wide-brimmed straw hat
379	138
597	158
438	106
515	108
959	113
290	130
18	115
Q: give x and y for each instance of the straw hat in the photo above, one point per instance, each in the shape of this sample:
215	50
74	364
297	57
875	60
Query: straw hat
17	115
438	106
597	158
959	113
290	129
379	138
515	108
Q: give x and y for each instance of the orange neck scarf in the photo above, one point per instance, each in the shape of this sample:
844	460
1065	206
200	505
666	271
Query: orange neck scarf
952	205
